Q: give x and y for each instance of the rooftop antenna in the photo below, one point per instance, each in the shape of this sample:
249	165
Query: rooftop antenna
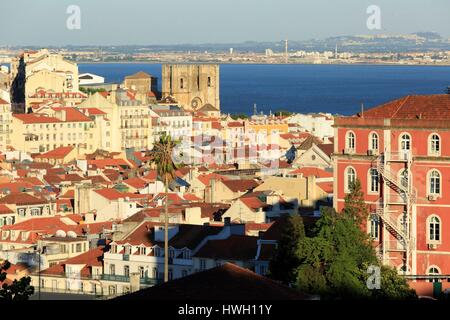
255	110
362	110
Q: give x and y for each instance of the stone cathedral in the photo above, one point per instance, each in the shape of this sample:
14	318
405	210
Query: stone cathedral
194	86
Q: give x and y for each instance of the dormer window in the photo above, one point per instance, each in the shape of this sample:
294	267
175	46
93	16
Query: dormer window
142	250
113	248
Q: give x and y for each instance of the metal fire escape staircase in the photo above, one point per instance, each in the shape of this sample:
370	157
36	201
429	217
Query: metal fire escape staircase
407	195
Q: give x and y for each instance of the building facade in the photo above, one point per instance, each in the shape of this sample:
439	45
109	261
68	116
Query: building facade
400	154
193	86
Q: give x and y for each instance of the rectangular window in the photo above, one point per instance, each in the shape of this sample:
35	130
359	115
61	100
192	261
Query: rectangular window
374	227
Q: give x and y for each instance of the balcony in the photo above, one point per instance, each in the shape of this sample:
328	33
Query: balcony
118	278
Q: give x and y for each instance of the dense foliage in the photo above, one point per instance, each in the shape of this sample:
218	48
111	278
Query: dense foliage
333	259
18	289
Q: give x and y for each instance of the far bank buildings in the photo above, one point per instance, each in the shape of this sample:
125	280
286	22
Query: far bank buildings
50	111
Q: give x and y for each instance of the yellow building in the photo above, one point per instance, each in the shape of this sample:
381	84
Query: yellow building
33	71
266	130
129	119
5	124
58	127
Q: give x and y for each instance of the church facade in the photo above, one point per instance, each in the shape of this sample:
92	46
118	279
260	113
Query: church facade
193	86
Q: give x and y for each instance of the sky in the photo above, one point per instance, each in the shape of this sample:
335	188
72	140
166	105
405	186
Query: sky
146	22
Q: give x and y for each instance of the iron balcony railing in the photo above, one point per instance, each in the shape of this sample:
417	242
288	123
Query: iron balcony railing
120	278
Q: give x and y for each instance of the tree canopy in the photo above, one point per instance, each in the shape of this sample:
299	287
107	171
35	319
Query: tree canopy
18	289
333	259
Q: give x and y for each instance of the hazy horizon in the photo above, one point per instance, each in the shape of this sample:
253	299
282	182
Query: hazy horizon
196	22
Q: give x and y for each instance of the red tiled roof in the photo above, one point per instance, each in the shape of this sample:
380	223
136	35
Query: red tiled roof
58	153
151	176
253	203
191	197
21	199
93	111
5	210
326	186
312	171
236	247
3	101
219	283
102	163
328	148
73	114
136	183
206	178
90	258
36	118
240	185
235	124
110	194
427	107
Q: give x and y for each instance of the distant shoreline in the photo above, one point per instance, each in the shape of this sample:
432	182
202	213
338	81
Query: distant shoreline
261	63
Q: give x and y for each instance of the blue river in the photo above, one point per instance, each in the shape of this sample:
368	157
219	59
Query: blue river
337	89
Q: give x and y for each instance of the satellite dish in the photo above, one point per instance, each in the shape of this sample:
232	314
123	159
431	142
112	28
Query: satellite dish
60	233
71	234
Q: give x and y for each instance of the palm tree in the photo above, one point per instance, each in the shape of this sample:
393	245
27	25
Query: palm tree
162	158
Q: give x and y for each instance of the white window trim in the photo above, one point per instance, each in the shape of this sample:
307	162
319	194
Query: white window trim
430	152
347	134
369	182
346	189
400	141
428	224
429	183
370	141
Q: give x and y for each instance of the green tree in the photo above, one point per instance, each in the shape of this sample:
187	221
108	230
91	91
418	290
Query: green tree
162	157
393	287
283	266
18	289
333	259
355	205
283	113
238	116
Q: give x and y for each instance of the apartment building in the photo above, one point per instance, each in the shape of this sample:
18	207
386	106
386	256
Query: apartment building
55	127
141	251
171	120
400	154
128	117
33	71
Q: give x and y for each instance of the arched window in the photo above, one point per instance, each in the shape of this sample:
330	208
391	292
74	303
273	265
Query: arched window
350	141
374	229
373	143
434	229
350	177
374	180
435	182
405	142
433	271
181	83
435	144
